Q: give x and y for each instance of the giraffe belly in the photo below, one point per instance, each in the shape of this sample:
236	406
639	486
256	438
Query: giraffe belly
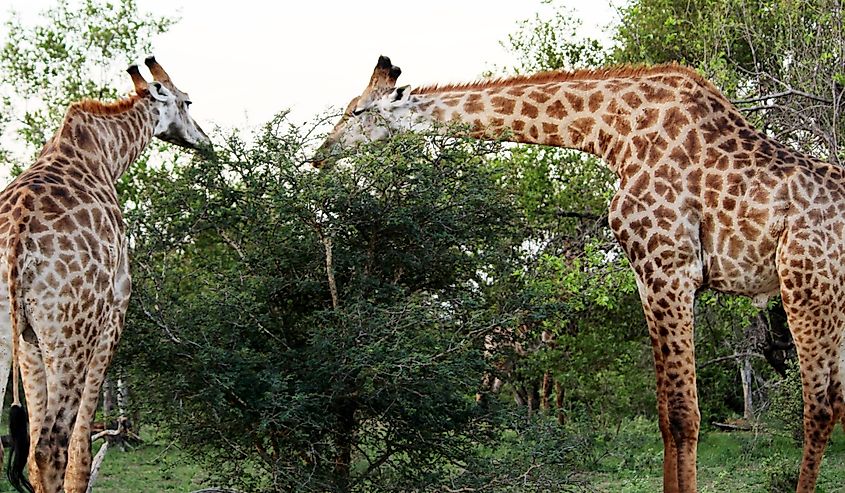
757	279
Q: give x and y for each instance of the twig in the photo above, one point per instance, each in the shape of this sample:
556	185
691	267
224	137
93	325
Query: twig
788	92
733	356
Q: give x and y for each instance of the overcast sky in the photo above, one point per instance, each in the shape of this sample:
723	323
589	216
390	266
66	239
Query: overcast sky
242	61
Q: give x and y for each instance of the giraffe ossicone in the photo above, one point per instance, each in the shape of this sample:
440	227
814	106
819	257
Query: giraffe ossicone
704	201
64	273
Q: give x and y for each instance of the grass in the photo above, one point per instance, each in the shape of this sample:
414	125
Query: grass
736	462
628	461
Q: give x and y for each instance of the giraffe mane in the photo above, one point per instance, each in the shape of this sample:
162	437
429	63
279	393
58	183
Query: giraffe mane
95	107
621	71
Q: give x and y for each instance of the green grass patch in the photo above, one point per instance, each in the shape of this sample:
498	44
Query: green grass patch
735	462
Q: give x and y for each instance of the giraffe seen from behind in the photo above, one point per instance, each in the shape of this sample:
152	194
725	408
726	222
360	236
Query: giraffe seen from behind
65	273
704	201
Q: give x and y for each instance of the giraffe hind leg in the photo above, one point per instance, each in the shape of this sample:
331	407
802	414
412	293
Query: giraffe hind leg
50	449
35	390
78	471
817	340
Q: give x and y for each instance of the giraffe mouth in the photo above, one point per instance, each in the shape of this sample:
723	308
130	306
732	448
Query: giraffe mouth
175	137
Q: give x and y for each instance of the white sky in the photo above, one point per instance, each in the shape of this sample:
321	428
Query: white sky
243	61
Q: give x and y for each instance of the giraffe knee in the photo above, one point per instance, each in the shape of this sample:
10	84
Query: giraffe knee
819	418
43	455
684	421
683	426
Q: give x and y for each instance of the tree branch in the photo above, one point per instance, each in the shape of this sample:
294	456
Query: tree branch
782	94
581	215
733	356
96	463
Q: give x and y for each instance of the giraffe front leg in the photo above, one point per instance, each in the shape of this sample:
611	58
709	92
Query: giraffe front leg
670	452
671	330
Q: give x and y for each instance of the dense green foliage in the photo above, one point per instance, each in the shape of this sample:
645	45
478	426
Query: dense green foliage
320	330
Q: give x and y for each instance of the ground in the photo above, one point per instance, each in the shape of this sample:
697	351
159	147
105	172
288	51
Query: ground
739	462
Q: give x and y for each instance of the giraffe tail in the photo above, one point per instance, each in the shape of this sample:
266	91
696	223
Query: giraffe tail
18	421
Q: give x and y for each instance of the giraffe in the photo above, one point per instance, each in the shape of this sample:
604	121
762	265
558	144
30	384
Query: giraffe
704	201
67	273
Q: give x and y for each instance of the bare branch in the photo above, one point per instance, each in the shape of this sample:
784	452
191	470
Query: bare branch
327	243
731	357
789	92
95	465
234	246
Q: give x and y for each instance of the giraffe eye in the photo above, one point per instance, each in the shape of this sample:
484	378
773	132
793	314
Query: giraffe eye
358	112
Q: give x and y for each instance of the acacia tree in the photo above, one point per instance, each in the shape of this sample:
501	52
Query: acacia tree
321	331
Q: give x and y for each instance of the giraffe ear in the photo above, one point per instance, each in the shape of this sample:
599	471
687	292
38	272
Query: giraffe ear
400	95
158	91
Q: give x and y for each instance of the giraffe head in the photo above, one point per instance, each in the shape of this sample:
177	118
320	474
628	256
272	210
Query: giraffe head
174	124
370	116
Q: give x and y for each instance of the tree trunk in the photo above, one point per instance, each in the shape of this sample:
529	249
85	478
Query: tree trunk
747	377
108	399
546	392
122	396
561	418
344	441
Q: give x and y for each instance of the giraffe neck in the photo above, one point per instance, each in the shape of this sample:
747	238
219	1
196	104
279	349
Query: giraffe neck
600	113
106	138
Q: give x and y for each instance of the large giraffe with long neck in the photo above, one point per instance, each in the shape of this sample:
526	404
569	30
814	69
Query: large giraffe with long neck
66	273
704	200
